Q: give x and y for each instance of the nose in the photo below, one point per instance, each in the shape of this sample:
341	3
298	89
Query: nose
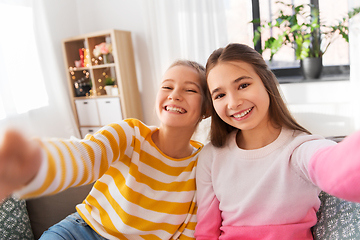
233	102
175	95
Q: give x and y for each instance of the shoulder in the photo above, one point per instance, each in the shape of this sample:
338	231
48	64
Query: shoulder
126	129
309	142
133	126
136	123
208	154
303	147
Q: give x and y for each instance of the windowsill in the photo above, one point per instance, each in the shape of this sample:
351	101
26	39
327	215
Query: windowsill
324	78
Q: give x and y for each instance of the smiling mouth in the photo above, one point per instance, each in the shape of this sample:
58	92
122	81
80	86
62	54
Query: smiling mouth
243	114
175	109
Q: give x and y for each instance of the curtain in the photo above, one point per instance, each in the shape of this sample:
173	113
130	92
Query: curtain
183	29
354	49
33	94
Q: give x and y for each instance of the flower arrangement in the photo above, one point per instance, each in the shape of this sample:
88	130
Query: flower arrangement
102	48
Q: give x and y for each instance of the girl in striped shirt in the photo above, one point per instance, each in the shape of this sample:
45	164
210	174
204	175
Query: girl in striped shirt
145	175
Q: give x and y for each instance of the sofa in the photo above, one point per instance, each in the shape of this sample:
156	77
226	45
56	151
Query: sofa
27	220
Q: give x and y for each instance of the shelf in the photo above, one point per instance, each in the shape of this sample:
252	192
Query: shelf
88	71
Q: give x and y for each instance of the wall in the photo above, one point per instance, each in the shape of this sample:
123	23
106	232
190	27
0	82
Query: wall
327	108
323	108
94	15
69	18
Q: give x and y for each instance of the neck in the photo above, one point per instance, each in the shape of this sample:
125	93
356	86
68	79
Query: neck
174	142
257	138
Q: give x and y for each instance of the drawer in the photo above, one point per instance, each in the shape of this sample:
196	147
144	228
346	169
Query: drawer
109	110
87	112
88	130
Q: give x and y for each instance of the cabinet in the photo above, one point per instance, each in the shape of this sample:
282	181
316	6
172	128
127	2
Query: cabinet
101	77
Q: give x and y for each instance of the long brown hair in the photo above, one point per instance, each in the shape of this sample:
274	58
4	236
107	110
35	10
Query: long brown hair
278	111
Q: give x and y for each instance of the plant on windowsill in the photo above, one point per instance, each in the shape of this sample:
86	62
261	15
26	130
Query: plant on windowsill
305	32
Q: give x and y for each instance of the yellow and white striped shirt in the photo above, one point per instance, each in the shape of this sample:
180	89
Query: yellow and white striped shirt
140	193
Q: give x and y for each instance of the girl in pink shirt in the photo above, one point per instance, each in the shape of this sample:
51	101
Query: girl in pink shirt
261	174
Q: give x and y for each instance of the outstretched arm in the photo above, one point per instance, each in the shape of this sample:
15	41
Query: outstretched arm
20	161
336	169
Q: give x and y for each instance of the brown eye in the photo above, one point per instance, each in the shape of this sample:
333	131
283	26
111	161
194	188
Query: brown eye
244	85
219	96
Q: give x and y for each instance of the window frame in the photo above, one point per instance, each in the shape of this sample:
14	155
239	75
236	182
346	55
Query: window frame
295	71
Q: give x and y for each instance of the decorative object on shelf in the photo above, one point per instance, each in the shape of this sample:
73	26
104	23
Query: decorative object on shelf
114	91
81	54
109	85
83	85
86	57
103	53
78	63
304	31
103	108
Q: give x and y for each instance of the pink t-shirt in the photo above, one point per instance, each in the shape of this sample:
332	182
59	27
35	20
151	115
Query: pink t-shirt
271	192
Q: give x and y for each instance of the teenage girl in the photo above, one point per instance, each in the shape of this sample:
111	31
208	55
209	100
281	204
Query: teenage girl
260	176
145	175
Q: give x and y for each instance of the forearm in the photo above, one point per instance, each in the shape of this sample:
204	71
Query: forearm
336	169
69	163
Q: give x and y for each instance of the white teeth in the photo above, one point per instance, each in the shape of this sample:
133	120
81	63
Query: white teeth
243	113
174	109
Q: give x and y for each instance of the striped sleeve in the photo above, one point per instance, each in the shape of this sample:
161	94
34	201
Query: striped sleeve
74	162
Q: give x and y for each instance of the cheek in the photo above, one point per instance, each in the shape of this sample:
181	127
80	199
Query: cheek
264	98
198	103
158	103
218	108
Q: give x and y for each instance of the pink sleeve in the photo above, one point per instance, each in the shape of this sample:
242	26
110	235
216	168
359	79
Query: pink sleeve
209	221
208	214
336	169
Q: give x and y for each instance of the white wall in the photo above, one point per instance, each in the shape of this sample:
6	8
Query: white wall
323	108
69	18
327	108
94	15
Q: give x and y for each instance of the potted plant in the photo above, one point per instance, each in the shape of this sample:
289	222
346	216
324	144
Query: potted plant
109	85
305	32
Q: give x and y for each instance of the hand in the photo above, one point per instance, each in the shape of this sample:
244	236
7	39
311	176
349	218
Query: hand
20	160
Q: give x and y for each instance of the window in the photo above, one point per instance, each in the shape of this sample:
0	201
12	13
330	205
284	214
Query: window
21	82
241	12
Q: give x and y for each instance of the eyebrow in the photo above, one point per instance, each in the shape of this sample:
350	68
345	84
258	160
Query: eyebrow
186	82
235	81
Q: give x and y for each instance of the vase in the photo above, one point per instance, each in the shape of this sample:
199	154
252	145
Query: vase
311	67
114	91
108	89
108	58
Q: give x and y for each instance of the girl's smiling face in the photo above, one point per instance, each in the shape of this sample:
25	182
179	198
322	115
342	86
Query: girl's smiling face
239	96
179	99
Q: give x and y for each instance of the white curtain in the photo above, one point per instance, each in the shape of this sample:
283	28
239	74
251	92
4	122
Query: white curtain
189	29
354	38
183	29
39	105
